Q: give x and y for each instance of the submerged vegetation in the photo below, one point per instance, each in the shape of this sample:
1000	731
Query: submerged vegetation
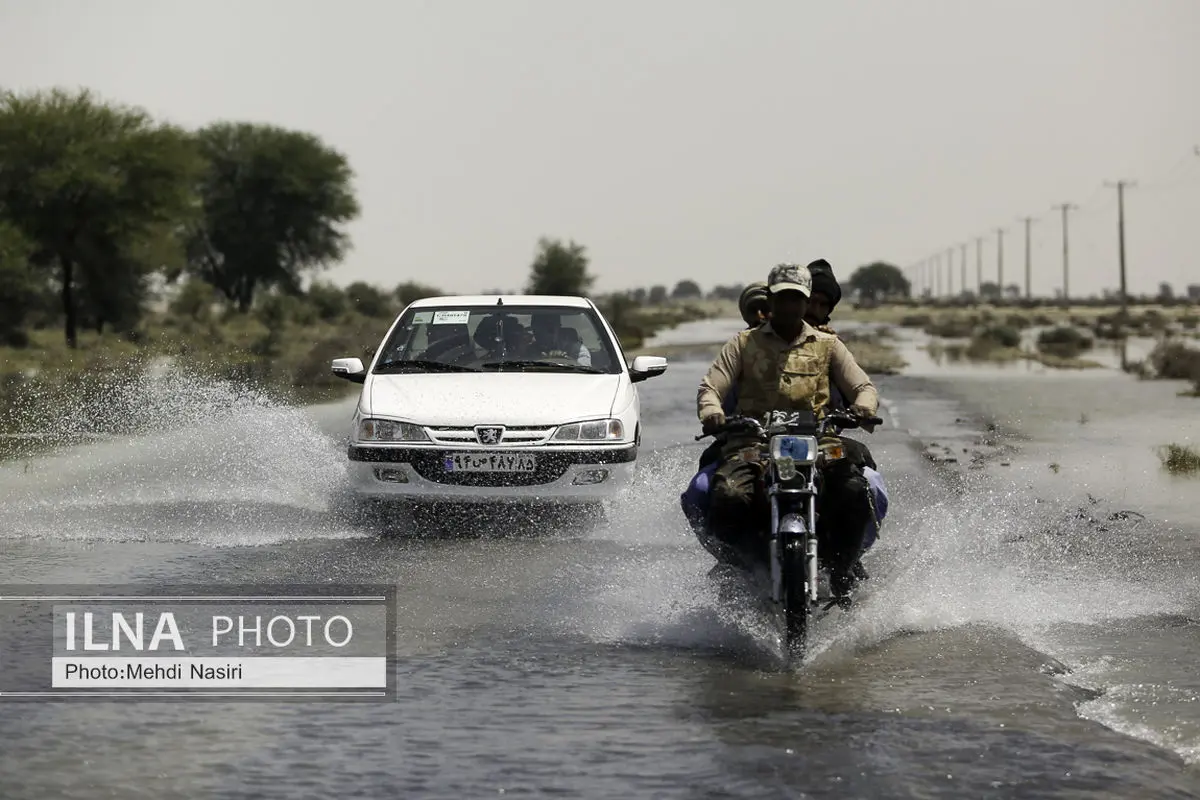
1180	459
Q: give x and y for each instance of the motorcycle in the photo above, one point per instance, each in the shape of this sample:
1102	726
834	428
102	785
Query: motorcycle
795	450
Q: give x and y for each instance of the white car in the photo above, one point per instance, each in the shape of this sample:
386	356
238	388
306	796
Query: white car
493	399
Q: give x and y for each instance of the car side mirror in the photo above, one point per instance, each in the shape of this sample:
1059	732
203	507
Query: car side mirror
644	367
351	369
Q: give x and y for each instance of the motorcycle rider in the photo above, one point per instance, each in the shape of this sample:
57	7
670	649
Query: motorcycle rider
754	306
783	364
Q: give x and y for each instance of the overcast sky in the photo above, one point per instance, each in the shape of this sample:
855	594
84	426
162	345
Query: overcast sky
686	138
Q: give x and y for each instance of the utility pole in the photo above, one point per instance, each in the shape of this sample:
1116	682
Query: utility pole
1028	270
1120	187
963	268
937	276
979	265
1000	263
950	272
1066	298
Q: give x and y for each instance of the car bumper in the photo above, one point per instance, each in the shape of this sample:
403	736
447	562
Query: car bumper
561	476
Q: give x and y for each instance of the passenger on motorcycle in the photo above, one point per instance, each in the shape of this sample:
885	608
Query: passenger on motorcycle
786	364
826	294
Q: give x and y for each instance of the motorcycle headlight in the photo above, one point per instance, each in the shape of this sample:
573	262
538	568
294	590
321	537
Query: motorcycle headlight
388	430
600	430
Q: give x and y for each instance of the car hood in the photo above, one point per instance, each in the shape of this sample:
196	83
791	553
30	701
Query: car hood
502	398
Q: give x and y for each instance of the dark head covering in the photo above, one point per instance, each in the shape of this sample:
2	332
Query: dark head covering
824	282
753	297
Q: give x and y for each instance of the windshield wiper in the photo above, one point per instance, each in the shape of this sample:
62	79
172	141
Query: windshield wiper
550	365
421	365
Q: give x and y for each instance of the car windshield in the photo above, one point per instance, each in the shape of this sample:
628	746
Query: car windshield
563	339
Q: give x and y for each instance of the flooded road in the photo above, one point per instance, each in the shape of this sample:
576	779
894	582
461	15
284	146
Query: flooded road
1018	638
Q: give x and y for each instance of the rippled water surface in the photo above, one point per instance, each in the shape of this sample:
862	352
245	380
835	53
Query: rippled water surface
1023	633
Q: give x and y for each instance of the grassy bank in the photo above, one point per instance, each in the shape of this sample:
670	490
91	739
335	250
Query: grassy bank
1102	321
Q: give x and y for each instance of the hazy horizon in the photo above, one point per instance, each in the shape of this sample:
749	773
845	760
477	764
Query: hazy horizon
697	140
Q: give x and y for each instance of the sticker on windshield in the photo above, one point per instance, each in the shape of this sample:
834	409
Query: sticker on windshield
422	317
451	317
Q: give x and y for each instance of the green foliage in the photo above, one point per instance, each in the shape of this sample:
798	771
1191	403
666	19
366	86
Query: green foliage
272	202
18	285
86	183
559	269
1180	459
411	291
997	336
193	301
657	296
879	280
328	300
687	290
1064	341
368	300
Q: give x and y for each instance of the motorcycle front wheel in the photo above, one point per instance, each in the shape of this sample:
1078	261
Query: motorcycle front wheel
796	606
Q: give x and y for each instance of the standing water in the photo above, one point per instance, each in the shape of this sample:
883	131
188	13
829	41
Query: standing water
1025	631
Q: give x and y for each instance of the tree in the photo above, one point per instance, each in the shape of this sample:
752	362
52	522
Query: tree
879	280
368	300
18	285
657	296
730	292
86	183
559	269
327	299
989	290
687	290
272	202
411	291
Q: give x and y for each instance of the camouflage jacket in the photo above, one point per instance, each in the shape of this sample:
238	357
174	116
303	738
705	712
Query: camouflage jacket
771	373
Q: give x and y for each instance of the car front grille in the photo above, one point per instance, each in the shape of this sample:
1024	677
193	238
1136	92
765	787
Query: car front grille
515	435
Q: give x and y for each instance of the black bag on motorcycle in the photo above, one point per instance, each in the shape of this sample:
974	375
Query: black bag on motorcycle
739	500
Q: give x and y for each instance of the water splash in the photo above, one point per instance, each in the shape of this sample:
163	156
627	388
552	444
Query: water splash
210	461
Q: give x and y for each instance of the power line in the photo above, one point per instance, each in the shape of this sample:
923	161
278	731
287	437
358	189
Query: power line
1065	208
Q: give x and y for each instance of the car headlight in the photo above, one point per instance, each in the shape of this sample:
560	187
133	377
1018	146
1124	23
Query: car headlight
387	430
600	430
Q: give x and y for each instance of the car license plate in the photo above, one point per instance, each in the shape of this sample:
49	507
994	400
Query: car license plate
490	462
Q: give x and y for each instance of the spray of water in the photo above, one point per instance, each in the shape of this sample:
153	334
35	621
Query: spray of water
208	461
979	551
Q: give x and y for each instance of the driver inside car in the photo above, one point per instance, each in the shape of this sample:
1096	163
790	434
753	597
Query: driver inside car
786	364
552	340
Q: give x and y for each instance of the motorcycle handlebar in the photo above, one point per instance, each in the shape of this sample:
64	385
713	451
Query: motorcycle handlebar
843	419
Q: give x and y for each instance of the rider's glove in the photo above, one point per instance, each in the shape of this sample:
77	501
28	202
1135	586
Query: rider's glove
712	423
864	413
